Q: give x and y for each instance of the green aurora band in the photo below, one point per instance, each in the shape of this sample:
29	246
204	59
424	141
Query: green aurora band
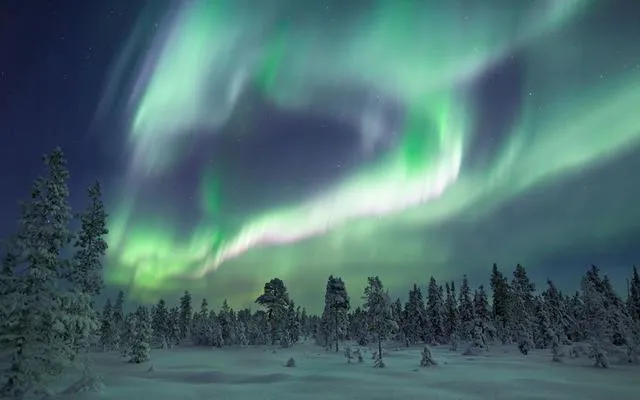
422	54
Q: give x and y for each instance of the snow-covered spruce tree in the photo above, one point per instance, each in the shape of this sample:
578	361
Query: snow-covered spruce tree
275	299
226	319
159	324
427	359
500	304
117	318
575	310
107	331
201	327
305	327
186	313
465	310
36	321
336	307
358	327
293	323
434	313
543	334
398	315
141	324
559	318
126	334
522	309
173	327
484	331
85	273
598	332
214	330
416	319
451	316
378	307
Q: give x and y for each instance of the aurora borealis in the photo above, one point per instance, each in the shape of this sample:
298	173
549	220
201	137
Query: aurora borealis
399	138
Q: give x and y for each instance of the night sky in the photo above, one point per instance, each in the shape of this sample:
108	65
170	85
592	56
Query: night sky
240	140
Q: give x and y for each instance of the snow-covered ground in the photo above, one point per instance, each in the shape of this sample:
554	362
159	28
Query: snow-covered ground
259	373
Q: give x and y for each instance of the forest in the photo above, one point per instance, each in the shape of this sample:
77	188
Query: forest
51	275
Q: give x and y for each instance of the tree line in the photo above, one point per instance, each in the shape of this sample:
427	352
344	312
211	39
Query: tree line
50	274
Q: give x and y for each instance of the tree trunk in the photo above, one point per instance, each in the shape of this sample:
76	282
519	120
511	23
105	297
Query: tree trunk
380	346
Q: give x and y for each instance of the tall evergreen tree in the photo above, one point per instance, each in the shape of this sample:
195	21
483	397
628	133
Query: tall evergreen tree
500	304
522	309
416	318
336	307
378	307
484	330
276	300
451	318
435	308
106	327
117	318
186	313
141	334
597	329
37	331
159	324
465	310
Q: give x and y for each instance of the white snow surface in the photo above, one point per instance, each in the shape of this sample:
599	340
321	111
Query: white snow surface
259	373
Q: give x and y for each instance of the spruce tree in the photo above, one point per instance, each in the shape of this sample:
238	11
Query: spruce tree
37	331
86	271
159	323
378	307
186	313
465	310
336	307
107	331
173	326
500	304
597	329
275	299
484	330
416	319
117	319
141	334
522	309
452	316
435	307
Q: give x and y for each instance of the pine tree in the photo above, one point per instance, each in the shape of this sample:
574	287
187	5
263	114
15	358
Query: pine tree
86	272
159	323
173	326
500	306
522	309
398	316
9	295
378	308
484	330
336	307
435	307
598	332
416	319
141	334
201	328
117	319
127	334
106	327
186	313
275	299
465	310
225	318
37	331
293	323
452	317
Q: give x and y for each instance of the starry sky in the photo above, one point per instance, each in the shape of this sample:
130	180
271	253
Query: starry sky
241	140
